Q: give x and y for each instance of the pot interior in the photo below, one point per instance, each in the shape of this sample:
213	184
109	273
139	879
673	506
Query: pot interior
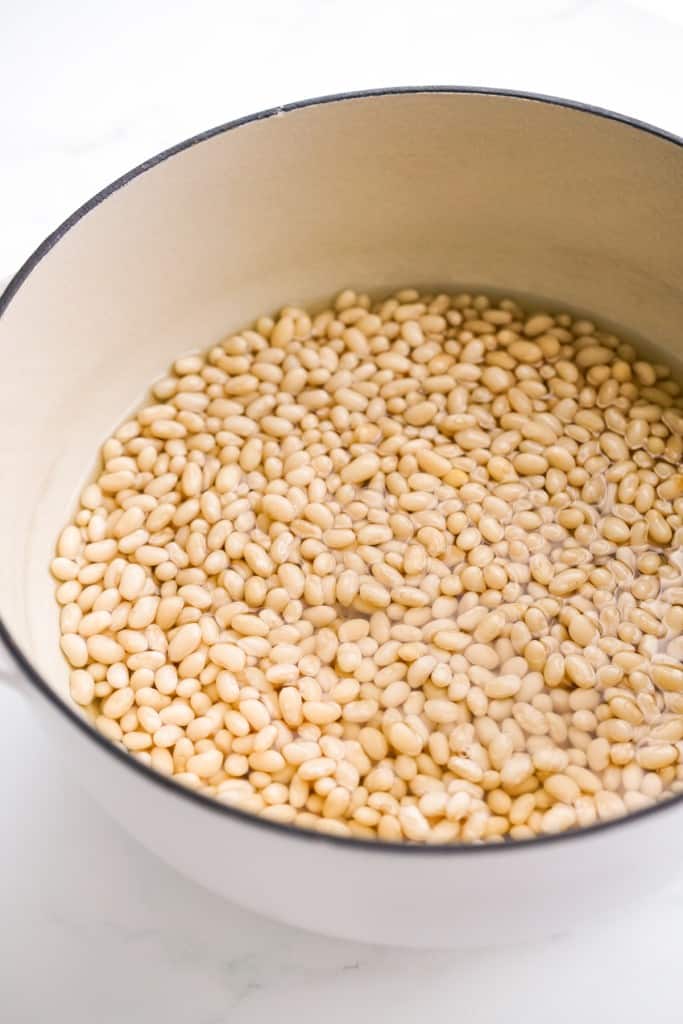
441	189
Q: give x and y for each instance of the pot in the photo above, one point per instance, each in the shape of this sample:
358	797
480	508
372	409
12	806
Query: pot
440	187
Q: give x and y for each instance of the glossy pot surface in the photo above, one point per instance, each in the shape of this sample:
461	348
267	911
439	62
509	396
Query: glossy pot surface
436	187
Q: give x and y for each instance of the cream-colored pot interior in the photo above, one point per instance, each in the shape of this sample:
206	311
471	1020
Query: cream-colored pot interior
433	188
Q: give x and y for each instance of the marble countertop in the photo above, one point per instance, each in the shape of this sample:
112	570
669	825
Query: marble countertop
92	927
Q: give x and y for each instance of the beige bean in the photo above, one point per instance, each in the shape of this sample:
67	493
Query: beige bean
118	703
185	640
228	656
658	756
559	818
361	469
105	649
82	687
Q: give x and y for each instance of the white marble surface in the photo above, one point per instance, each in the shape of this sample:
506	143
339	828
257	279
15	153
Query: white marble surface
92	928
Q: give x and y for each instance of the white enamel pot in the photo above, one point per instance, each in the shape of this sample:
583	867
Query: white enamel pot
430	186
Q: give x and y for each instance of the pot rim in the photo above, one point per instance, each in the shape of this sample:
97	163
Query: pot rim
21	661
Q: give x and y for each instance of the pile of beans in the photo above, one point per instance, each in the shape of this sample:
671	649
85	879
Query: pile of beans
406	569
